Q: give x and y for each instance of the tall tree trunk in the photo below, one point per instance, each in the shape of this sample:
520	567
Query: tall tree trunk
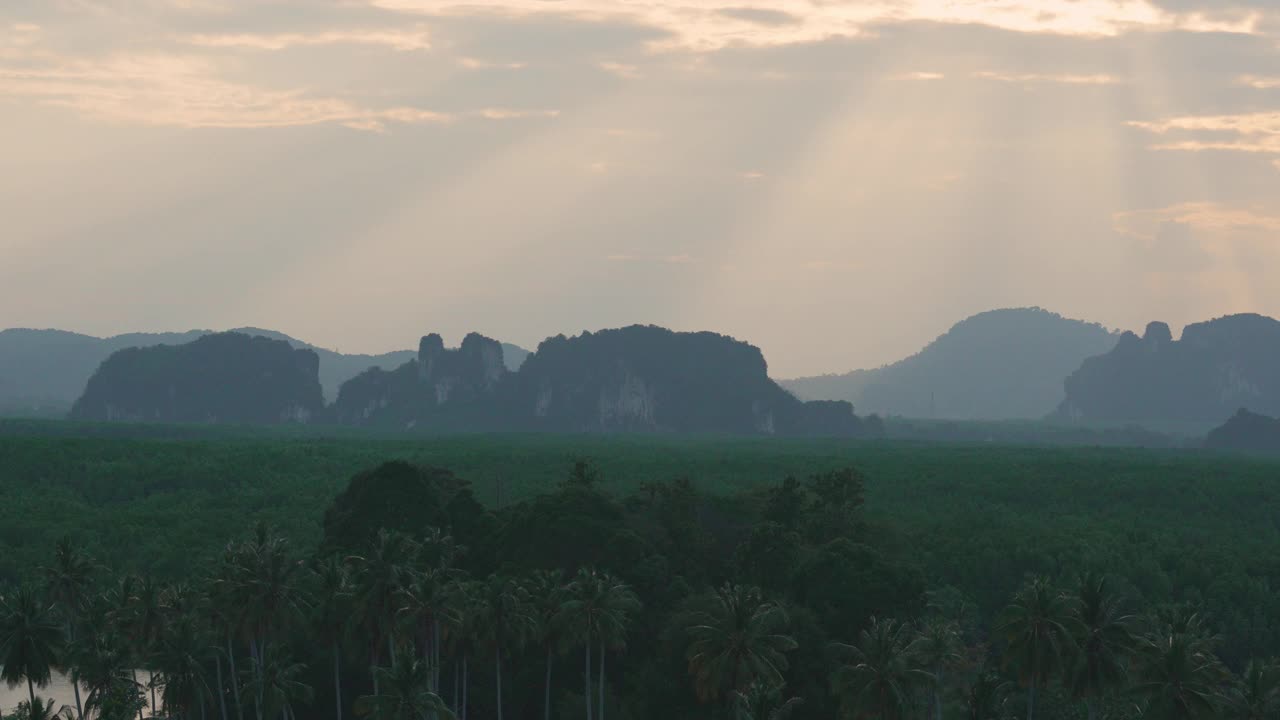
600	706
937	694
1031	701
151	674
1092	704
235	678
31	693
546	702
222	690
464	687
256	653
71	638
373	668
337	678
586	683
435	654
144	697
497	663
457	705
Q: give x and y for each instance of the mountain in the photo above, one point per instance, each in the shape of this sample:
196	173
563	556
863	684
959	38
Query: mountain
639	378
1201	380
221	378
42	372
1247	432
998	365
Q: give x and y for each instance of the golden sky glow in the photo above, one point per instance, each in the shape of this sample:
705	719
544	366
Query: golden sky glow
836	181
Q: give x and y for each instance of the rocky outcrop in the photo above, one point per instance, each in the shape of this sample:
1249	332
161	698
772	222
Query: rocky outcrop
1247	432
221	378
439	388
1198	381
635	379
999	365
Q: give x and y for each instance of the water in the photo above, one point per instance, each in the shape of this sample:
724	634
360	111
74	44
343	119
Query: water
59	689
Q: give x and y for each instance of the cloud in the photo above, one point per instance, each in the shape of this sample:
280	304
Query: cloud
1258	82
1033	78
923	76
713	25
417	38
1216	218
1248	132
183	91
678	259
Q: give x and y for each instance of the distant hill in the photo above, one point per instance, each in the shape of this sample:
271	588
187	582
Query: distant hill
998	365
1203	379
42	372
1247	432
639	378
221	378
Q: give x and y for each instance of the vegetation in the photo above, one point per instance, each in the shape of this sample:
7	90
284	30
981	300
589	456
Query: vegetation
775	581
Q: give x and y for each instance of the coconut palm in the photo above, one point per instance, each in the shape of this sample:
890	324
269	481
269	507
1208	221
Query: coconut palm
1257	697
465	598
40	709
736	640
423	607
69	584
1178	675
548	593
1036	630
378	578
937	647
598	609
987	697
277	685
404	695
331	610
1102	645
31	640
180	657
505	621
102	665
881	676
761	702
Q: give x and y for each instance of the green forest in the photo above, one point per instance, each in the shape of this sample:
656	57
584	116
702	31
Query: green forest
251	574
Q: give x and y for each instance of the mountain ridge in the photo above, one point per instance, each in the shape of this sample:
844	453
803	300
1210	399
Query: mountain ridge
1003	364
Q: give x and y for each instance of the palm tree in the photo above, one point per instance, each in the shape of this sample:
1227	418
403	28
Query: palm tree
987	697
881	676
379	576
761	702
144	621
331	612
423	604
465	597
505	621
102	666
937	647
1037	635
1258	695
548	593
736	640
30	640
69	582
404	695
598	608
180	657
1102	645
266	587
41	709
1178	674
277	685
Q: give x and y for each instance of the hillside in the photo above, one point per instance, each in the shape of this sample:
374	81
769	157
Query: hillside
42	372
1247	432
998	365
220	378
1202	379
638	378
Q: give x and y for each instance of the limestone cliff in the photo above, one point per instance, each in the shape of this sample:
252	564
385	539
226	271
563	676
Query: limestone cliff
1202	379
220	378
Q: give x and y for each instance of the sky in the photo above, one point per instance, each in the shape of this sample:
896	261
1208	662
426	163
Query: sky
835	181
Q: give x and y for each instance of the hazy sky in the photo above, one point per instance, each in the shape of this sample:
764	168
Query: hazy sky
836	181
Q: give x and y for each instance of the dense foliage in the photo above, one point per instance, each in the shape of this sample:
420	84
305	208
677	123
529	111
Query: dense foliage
786	600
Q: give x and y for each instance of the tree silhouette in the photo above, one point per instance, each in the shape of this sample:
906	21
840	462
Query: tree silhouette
736	640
